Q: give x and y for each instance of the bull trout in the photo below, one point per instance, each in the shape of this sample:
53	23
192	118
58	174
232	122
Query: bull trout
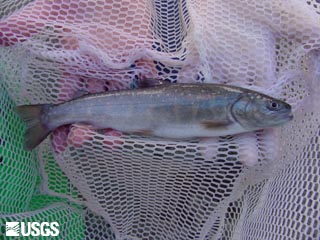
176	111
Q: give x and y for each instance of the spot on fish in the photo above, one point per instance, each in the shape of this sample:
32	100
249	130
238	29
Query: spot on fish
145	132
212	125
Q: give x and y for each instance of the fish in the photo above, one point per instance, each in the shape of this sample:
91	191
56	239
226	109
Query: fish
173	111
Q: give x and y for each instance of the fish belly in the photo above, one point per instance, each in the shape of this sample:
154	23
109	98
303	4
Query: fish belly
183	131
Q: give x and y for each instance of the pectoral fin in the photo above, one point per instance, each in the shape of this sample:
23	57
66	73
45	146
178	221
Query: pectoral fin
144	132
212	125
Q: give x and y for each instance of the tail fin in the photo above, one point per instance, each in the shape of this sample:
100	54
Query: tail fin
33	116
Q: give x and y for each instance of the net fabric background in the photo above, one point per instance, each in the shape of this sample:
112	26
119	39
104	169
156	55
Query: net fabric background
258	185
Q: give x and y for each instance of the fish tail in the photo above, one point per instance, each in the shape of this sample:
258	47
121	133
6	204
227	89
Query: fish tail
34	116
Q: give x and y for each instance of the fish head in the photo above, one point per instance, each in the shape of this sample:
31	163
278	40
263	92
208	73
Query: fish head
255	111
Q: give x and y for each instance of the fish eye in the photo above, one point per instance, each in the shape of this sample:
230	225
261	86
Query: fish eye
274	106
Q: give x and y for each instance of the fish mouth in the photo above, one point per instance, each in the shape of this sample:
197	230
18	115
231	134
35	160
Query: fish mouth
287	117
290	116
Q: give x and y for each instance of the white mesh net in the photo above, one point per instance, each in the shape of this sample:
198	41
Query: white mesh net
259	185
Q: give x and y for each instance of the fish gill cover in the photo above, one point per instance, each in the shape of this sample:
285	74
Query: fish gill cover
128	187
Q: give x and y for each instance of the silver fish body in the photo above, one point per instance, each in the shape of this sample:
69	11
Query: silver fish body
170	111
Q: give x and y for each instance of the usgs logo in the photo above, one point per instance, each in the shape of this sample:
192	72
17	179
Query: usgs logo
16	229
